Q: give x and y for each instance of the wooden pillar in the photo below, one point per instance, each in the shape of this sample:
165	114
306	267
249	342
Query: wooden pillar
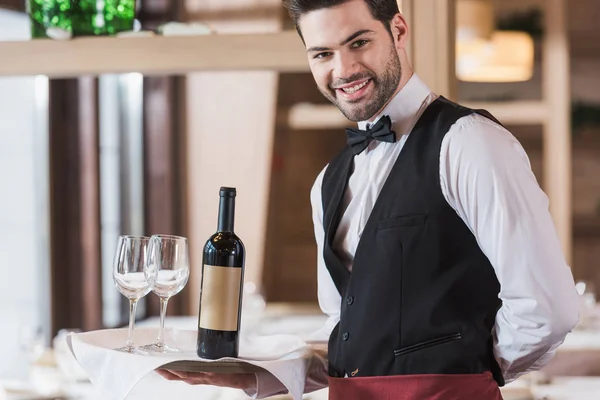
163	137
406	8
15	5
75	205
230	127
558	174
432	26
162	171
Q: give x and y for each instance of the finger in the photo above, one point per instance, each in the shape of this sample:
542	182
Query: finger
213	379
196	378
200	377
237	381
168	375
196	382
187	375
179	374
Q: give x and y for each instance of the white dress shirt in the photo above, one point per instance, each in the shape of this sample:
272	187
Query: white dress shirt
486	178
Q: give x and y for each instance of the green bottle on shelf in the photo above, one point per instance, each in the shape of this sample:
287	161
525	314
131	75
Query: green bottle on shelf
97	17
80	17
49	14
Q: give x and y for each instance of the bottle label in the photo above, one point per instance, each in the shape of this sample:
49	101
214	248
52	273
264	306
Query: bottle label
220	298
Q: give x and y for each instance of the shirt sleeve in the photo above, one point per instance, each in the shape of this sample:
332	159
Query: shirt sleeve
329	302
486	177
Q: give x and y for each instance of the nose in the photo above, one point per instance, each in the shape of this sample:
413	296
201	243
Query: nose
345	66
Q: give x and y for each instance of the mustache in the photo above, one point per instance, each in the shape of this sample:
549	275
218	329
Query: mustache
351	78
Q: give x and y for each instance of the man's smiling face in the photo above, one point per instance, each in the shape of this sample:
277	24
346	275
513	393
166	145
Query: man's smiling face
352	57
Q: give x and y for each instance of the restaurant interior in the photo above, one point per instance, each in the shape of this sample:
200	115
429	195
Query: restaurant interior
134	130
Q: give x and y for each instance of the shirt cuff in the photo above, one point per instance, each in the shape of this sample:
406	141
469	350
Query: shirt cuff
518	369
266	386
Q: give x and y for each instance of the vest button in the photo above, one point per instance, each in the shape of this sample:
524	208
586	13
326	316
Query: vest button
345	336
350	300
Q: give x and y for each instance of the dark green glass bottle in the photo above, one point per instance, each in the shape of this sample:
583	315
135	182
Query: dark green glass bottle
81	17
46	14
108	17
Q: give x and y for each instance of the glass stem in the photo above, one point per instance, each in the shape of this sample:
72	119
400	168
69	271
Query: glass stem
132	308
160	342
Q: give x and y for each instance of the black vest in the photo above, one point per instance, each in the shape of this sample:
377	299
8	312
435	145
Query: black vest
422	297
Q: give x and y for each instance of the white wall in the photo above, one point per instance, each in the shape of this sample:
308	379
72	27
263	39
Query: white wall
24	271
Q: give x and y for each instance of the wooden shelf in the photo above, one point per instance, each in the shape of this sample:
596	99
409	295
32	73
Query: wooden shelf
515	112
156	55
318	116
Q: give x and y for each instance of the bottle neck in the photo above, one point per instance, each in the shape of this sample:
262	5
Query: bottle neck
226	214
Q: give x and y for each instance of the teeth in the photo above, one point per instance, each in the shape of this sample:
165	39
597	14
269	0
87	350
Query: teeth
355	88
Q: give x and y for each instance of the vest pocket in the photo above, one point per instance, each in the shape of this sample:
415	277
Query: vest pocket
427	343
403	220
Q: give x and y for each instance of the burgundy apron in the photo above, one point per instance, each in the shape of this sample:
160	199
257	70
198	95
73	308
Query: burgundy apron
416	387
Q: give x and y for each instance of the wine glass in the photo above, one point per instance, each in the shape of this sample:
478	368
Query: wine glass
587	294
170	257
133	276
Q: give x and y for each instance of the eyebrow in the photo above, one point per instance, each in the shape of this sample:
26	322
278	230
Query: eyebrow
343	42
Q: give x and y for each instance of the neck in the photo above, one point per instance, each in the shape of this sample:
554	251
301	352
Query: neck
226	214
407	73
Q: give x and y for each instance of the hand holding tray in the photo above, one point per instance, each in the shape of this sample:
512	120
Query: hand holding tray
116	374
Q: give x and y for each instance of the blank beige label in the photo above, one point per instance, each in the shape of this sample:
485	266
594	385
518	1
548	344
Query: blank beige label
220	298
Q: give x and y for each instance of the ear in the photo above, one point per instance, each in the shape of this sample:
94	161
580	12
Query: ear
399	29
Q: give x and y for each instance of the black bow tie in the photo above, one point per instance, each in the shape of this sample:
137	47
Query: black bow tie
358	139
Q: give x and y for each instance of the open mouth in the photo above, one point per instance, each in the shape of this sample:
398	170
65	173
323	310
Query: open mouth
354	91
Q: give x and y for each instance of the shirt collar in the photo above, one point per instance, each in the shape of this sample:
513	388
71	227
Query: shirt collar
404	107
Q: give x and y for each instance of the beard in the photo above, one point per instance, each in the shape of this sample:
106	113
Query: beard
384	87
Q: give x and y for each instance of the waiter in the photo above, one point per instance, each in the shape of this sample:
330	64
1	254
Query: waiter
438	261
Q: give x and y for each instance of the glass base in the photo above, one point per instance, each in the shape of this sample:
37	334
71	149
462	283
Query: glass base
160	348
132	350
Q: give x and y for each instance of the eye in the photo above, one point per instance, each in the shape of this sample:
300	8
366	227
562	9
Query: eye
359	43
322	55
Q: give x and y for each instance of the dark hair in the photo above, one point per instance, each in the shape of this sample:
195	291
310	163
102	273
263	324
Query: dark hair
381	10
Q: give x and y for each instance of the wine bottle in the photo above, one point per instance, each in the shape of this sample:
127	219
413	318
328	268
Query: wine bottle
80	18
221	287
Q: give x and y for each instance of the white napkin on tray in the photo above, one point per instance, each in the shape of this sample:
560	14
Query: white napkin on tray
116	374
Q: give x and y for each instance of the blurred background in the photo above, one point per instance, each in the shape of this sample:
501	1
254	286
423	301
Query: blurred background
102	136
